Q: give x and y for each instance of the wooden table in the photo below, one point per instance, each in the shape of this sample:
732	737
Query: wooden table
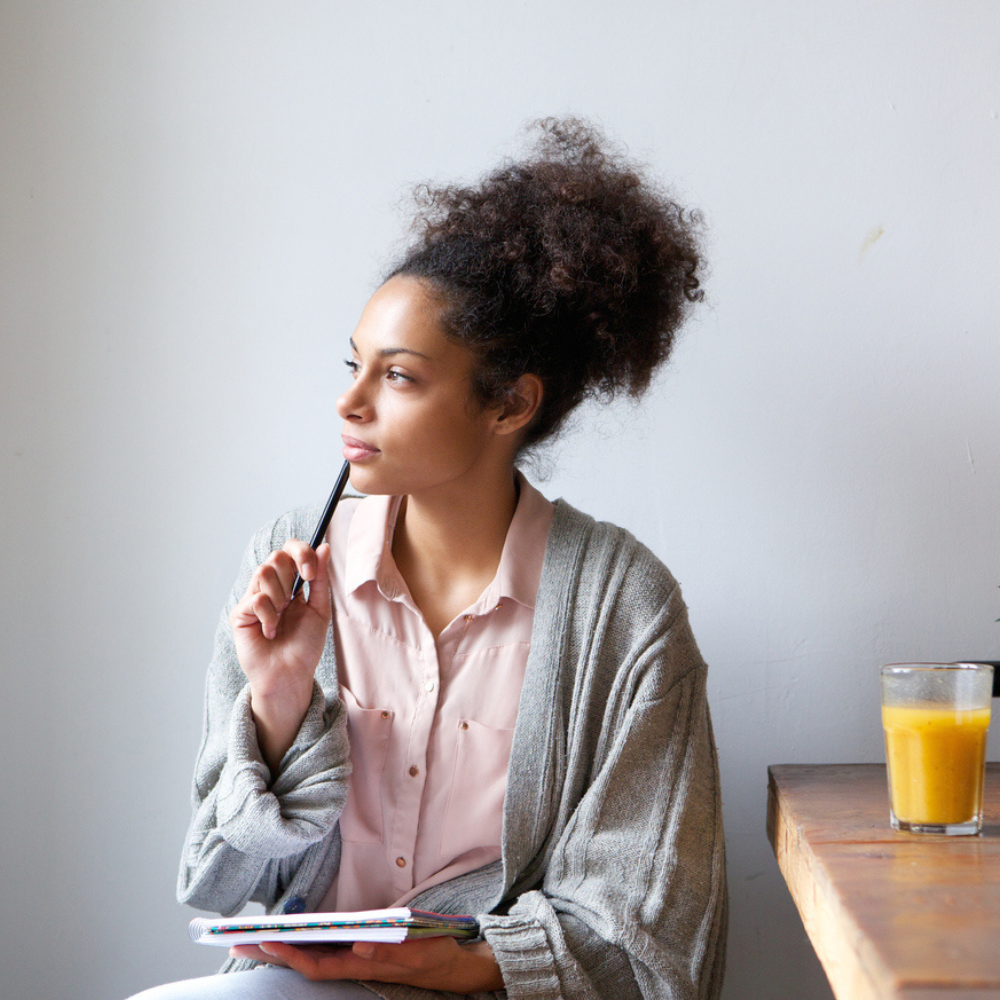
889	914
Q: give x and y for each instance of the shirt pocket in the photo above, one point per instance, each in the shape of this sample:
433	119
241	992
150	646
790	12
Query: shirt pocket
368	730
474	814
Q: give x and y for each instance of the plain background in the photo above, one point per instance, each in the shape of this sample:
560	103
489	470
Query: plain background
196	199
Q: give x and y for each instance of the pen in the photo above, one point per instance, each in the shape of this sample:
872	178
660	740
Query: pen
324	519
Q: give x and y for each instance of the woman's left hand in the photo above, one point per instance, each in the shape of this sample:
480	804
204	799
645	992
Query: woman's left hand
437	963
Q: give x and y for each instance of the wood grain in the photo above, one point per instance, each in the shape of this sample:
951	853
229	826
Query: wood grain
891	915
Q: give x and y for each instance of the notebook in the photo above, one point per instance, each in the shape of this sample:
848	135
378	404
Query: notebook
393	925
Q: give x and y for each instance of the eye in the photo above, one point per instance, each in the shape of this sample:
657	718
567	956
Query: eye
394	376
352	366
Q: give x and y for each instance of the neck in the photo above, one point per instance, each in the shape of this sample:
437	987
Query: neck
458	530
448	546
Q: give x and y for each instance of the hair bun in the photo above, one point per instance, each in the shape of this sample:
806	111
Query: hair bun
567	263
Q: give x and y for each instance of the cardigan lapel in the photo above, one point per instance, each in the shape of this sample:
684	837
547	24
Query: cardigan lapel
538	755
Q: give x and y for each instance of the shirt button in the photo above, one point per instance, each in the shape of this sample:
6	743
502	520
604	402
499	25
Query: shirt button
429	686
463	725
385	715
414	771
470	618
400	862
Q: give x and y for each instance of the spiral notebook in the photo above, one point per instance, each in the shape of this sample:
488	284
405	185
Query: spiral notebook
393	926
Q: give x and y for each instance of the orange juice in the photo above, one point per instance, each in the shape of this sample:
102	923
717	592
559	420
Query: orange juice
936	758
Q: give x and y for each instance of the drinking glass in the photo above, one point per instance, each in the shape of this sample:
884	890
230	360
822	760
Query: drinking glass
935	717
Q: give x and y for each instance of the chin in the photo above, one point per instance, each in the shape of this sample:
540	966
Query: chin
368	481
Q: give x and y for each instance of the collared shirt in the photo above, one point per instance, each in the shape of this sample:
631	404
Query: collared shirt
430	721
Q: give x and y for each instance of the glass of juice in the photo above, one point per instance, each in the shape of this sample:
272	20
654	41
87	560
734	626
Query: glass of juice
935	717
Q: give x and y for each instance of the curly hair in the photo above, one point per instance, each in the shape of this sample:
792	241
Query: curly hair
567	264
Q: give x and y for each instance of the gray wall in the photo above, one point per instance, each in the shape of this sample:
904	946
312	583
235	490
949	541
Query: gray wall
195	202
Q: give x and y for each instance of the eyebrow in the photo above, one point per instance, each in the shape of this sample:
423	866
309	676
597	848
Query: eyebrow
388	352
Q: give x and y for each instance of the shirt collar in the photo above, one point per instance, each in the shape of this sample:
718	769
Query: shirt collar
369	545
520	566
369	548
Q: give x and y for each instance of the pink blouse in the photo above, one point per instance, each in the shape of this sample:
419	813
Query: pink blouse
430	722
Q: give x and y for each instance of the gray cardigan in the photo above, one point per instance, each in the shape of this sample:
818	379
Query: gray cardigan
612	877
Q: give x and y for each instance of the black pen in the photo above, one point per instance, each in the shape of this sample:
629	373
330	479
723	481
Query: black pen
324	519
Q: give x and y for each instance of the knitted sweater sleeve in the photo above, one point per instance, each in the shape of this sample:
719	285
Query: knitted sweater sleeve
631	900
254	835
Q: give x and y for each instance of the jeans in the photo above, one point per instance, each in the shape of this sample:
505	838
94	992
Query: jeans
266	982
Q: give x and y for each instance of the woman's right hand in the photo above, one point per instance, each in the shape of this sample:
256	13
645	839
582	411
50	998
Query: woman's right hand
279	641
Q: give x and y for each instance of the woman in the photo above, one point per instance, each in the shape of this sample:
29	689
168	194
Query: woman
488	703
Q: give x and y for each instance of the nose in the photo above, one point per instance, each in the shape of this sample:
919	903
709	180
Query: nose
353	403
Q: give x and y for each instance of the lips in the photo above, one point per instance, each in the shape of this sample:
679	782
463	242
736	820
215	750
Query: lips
356	450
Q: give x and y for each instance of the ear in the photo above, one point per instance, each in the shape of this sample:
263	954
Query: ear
520	405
